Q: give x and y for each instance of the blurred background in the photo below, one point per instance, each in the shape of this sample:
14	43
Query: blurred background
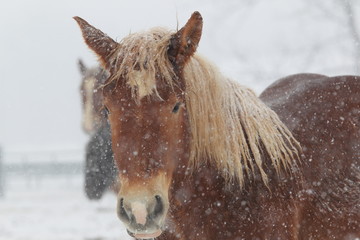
42	144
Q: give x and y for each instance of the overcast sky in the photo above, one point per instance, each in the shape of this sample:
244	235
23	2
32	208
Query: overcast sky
40	44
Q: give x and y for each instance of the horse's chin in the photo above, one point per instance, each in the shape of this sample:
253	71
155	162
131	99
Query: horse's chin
145	235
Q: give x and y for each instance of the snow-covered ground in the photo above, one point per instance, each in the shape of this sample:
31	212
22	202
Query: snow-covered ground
55	208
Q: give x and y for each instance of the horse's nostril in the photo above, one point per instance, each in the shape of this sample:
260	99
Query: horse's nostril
123	215
158	198
159	207
130	233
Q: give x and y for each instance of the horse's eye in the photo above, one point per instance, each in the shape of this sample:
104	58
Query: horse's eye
176	107
106	110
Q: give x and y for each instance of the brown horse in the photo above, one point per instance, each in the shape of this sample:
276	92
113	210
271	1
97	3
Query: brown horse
100	170
201	157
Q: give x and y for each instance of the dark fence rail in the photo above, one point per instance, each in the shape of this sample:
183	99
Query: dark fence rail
44	168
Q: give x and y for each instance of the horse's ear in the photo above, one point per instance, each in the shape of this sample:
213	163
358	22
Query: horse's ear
98	41
82	67
183	43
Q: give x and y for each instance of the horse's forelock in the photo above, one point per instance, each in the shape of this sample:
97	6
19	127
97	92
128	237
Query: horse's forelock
140	59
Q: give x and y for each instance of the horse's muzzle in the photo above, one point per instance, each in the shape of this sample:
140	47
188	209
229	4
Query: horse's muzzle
143	218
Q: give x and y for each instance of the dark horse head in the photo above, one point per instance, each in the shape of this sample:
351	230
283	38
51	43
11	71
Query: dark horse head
91	96
100	171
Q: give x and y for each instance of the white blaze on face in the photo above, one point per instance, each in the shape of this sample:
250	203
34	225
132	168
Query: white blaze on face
88	114
144	83
139	211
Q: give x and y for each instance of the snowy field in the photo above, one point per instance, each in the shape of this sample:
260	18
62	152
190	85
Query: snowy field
56	209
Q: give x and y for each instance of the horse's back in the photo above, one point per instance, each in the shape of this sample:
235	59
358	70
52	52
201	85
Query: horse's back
285	87
324	115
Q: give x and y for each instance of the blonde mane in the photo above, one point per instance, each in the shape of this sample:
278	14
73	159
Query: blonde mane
230	127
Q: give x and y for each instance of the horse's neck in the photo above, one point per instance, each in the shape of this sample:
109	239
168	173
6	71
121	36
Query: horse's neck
207	179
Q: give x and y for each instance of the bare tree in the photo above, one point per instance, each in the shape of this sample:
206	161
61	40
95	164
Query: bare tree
343	13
